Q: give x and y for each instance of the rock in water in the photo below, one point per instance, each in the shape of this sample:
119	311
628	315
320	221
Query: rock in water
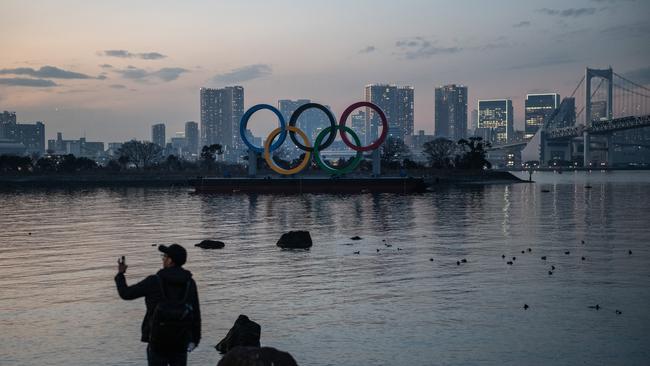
295	240
355	238
210	244
257	356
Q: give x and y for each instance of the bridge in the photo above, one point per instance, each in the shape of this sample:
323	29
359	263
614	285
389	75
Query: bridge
599	127
616	104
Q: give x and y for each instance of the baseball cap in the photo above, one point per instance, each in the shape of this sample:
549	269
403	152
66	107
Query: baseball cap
176	252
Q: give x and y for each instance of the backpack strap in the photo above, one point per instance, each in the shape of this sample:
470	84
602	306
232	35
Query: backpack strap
162	288
187	290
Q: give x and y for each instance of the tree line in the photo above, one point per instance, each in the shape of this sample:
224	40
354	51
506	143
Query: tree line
132	156
136	155
440	153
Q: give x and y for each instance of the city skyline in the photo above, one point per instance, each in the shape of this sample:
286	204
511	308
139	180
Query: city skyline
96	70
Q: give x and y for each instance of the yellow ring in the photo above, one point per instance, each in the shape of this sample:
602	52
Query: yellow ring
267	151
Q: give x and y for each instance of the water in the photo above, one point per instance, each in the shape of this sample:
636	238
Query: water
327	306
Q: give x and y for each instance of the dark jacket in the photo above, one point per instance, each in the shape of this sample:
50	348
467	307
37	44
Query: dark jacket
175	281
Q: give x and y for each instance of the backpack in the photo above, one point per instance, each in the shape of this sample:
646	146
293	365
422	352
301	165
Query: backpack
171	322
244	332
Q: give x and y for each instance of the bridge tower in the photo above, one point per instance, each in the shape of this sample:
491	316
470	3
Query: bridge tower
607	74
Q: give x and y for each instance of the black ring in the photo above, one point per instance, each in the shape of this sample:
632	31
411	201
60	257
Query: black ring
294	119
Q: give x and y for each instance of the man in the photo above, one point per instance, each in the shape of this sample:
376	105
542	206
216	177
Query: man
171	285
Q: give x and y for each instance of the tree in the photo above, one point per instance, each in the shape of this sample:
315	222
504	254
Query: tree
123	160
394	150
46	165
172	163
209	155
141	154
473	154
12	163
440	153
70	164
114	166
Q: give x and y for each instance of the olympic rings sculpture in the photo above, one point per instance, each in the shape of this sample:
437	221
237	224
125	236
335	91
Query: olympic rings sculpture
281	134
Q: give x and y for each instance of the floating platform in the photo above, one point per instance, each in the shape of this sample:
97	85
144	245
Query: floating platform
309	185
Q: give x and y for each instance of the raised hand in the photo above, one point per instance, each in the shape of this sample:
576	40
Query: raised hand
121	265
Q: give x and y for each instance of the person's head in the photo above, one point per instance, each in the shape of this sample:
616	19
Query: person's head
173	255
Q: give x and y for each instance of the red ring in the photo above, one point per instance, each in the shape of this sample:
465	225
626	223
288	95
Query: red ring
384	123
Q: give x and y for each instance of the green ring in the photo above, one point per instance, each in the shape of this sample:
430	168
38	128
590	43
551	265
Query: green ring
351	166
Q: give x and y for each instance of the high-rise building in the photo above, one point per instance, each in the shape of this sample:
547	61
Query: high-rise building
474	123
192	137
288	106
30	135
311	121
392	100
221	113
78	148
451	112
8	125
158	134
358	125
177	145
495	120
538	107
405	109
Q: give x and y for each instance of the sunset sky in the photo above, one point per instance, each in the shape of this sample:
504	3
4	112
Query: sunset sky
111	69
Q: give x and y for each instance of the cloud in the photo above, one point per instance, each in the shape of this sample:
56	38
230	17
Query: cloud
138	74
117	86
639	76
169	73
151	56
544	62
625	31
118	53
570	35
569	13
46	72
494	44
132	72
245	73
522	24
36	83
613	1
368	49
127	54
418	48
75	91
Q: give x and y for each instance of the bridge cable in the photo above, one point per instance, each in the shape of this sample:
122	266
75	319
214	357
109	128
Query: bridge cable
592	95
631	91
632	82
577	87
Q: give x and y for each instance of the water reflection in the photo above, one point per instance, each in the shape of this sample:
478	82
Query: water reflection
328	297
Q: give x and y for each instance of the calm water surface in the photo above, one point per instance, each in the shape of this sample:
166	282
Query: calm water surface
327	306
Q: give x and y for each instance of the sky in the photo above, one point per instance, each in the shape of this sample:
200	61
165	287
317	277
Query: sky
109	70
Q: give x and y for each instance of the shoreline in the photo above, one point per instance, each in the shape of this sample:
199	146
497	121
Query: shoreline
80	181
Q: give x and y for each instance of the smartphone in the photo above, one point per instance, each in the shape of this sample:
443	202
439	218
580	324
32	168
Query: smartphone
122	261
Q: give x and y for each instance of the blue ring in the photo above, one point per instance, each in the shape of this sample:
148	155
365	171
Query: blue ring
244	122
